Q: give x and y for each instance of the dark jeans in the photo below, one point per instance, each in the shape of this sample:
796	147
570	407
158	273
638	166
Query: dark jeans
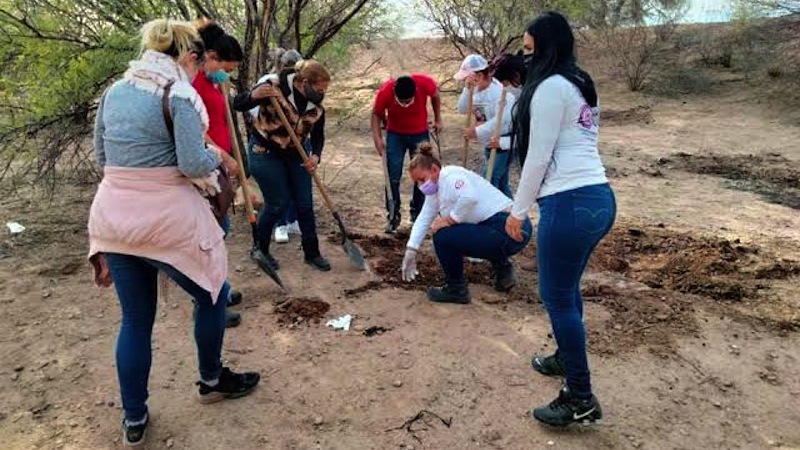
486	240
136	283
281	176
397	145
571	224
226	228
502	166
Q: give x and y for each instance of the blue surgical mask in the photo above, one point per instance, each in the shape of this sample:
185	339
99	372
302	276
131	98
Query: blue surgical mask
218	77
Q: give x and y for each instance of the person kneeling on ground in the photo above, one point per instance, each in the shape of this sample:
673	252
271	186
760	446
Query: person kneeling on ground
148	216
466	216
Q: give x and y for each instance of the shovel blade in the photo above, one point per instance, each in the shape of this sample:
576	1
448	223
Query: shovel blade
354	253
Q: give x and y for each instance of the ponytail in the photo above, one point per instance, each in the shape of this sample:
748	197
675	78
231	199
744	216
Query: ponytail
425	158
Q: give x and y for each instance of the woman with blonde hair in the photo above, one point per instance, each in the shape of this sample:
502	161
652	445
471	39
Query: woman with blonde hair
466	215
273	160
149	215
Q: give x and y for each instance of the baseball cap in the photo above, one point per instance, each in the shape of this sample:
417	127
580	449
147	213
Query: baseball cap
471	64
290	58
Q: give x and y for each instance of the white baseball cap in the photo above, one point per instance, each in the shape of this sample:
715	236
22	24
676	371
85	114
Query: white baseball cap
471	64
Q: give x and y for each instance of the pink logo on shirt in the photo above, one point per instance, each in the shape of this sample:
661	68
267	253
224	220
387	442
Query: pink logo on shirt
585	118
459	184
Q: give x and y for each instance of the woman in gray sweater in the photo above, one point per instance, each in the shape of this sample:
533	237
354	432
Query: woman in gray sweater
148	216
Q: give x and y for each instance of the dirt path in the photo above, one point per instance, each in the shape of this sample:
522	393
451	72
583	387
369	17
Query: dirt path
693	334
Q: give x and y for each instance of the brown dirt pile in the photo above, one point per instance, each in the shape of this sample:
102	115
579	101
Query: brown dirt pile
296	311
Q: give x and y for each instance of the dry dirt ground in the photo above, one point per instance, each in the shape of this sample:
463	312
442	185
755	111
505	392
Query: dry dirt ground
692	310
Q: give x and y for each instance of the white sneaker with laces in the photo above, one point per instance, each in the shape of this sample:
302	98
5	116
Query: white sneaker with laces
281	234
294	228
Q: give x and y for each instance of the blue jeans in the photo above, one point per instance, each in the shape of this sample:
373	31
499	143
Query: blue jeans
290	214
226	288
502	165
136	283
486	240
571	224
281	176
397	145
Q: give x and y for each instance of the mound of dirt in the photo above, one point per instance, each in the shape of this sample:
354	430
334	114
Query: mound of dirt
714	268
652	318
773	176
637	115
298	310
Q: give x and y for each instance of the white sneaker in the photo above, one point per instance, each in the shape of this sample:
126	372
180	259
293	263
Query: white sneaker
294	228
476	260
281	234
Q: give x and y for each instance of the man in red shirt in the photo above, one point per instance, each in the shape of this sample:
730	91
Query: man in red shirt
402	104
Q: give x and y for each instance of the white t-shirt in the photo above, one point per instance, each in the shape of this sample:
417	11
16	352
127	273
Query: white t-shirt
463	195
562	147
487	102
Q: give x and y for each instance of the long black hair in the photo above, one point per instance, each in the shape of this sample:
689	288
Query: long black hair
553	54
217	40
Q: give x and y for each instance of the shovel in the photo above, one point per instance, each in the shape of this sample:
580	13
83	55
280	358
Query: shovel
349	247
251	215
389	195
470	113
497	127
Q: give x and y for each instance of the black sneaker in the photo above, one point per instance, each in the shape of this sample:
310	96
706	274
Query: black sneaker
567	410
133	435
550	366
449	294
231	385
505	278
319	262
236	298
232	318
264	259
391	227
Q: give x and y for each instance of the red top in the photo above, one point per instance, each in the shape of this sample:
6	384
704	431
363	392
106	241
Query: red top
406	120
214	100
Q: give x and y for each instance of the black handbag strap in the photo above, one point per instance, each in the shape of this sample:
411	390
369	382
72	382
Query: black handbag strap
165	109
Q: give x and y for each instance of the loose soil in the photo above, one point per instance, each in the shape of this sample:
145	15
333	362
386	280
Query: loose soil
297	311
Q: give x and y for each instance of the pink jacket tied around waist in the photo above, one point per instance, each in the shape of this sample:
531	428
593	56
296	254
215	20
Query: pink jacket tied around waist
157	213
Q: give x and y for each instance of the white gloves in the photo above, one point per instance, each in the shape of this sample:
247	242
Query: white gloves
409	269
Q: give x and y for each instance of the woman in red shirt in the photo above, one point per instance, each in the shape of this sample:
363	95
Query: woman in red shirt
223	55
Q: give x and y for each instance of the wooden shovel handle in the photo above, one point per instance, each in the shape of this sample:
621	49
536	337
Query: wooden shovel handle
497	127
470	105
237	153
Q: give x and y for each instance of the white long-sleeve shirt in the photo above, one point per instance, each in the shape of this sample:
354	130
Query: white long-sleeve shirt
464	196
562	146
488	101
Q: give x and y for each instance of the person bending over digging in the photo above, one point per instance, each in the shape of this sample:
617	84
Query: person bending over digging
402	104
149	216
556	125
466	216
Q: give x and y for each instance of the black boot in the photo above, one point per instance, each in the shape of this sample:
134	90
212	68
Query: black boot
262	257
505	277
566	410
449	293
393	224
319	262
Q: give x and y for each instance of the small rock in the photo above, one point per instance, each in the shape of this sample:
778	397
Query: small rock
110	403
46	294
174	306
717	403
618	327
15	376
73	423
19	368
383	354
170	442
551	443
735	349
318	421
406	352
397	383
239	269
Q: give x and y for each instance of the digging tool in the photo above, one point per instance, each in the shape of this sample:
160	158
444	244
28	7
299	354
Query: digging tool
251	214
470	113
389	195
349	247
436	140
497	127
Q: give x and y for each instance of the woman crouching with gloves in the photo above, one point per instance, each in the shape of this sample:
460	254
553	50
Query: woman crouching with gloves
466	216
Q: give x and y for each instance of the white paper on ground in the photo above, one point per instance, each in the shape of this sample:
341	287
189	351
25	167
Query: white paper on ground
15	227
342	323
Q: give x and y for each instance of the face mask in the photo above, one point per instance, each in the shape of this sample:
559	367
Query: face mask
429	188
527	58
312	95
218	77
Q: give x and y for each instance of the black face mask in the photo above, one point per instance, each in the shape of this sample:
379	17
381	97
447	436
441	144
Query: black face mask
312	95
527	58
